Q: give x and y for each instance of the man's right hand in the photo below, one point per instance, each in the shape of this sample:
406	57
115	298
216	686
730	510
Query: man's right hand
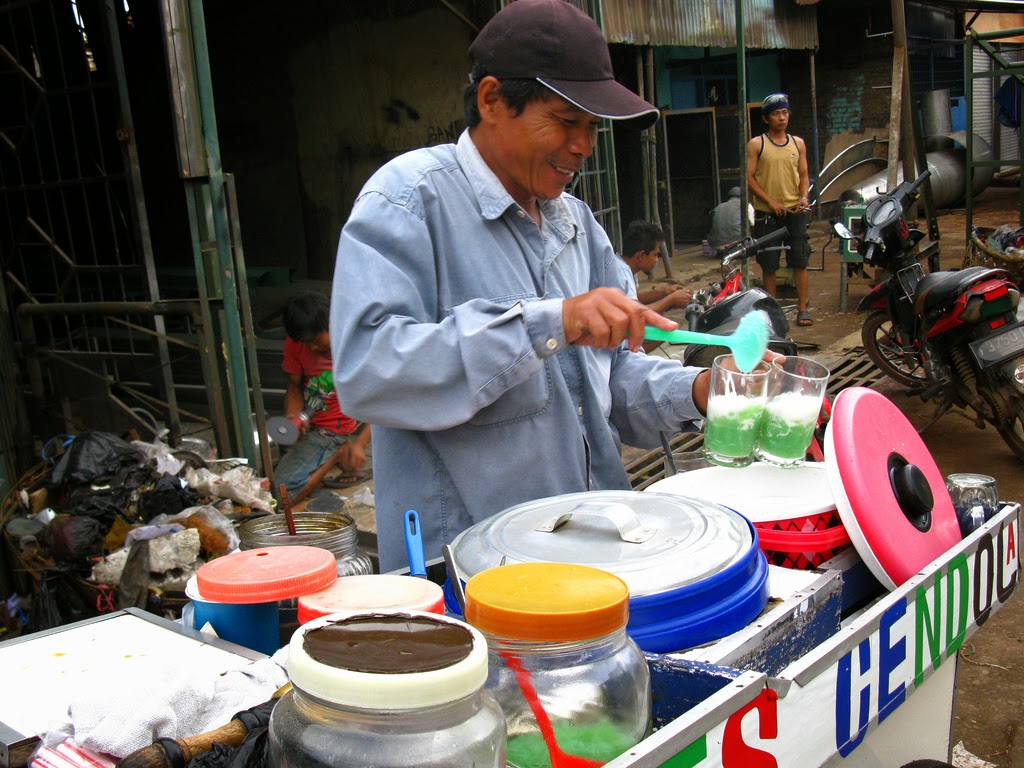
605	317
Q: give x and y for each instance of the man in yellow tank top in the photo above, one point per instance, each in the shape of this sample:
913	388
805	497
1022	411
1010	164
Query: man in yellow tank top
778	179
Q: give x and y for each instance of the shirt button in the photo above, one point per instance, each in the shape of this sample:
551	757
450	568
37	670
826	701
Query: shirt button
551	344
522	214
580	409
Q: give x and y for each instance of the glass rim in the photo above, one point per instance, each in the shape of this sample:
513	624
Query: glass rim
755	372
777	365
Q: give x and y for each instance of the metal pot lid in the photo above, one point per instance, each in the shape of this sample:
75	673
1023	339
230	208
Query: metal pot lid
653	541
761	492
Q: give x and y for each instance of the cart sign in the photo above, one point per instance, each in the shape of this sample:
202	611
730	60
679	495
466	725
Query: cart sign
829	700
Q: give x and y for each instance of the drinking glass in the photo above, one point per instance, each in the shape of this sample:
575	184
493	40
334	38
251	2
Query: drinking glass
735	406
796	388
975	499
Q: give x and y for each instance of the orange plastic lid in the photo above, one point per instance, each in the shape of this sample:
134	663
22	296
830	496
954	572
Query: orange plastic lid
266	575
553	602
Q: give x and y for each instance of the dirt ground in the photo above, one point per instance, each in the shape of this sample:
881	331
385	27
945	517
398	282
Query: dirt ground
990	686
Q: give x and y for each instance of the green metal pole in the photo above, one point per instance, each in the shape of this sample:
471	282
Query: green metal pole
237	379
969	143
741	97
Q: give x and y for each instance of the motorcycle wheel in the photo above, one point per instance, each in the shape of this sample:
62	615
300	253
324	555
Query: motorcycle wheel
882	346
1012	429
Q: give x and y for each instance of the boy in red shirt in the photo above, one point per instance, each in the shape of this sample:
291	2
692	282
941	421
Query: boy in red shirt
307	361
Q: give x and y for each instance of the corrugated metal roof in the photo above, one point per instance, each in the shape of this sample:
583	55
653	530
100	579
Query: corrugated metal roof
710	23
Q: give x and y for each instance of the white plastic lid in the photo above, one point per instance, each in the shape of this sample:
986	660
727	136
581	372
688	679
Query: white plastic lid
761	492
393	691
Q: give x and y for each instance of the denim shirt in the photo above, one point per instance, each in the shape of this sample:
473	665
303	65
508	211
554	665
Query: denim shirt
446	328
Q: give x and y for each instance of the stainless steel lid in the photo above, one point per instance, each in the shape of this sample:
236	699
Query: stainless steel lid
654	542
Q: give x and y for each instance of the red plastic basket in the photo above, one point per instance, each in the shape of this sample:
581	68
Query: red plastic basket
803	542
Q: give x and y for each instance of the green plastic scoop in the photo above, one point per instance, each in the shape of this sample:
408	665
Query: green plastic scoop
747	343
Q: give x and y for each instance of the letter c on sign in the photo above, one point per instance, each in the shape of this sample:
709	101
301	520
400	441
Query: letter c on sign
735	752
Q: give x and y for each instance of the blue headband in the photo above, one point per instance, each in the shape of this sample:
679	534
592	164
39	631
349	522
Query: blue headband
773	102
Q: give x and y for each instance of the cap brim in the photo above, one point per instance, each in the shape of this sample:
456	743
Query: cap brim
606	98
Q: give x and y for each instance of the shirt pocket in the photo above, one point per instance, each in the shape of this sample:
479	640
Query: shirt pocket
523	401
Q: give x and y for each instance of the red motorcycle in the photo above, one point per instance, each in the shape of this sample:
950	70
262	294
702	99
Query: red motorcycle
952	335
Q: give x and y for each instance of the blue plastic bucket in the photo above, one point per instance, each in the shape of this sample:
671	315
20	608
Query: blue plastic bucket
252	625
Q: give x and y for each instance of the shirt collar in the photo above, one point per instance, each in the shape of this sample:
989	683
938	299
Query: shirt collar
492	196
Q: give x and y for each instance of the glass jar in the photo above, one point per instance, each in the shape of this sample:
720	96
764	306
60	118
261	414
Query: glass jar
351	705
334	531
559	653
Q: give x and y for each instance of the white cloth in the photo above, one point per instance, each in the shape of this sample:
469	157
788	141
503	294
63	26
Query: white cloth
130	714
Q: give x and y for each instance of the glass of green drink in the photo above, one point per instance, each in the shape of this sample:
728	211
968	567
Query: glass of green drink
796	388
735	406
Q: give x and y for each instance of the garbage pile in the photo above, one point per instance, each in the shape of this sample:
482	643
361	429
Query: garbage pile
111	524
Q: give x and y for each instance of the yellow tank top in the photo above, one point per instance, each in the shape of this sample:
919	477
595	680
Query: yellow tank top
778	172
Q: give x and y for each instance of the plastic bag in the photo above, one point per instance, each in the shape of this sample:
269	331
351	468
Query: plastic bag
239	484
217	534
166	497
93	455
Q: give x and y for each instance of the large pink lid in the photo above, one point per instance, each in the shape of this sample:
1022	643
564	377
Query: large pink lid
376	592
888	490
266	575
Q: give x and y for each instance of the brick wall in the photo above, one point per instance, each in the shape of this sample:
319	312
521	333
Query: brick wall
849	67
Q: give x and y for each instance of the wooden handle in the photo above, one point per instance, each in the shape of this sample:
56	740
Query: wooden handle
157	755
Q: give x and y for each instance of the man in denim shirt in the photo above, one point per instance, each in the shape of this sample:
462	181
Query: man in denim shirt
480	319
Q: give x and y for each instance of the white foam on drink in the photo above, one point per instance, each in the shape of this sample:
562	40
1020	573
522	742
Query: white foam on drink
793	408
732	406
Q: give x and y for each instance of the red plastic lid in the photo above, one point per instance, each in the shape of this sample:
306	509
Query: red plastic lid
375	592
267	575
881	474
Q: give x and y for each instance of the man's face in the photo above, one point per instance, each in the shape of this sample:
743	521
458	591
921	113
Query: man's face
321	344
777	120
649	259
538	152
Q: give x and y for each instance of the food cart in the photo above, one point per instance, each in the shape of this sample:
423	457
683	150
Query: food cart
877	690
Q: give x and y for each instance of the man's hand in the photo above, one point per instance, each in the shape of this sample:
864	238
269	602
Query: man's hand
605	317
702	384
778	208
678	298
350	457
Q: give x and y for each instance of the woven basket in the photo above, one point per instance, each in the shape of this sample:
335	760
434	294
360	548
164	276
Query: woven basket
979	254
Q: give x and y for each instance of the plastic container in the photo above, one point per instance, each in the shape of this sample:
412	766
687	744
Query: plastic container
252	625
352	705
333	531
376	592
798	525
559	652
272	578
693	568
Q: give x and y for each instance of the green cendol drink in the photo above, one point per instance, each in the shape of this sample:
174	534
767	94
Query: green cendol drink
788	424
731	428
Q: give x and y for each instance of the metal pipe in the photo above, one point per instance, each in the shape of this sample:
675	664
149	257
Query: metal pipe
150	308
948	179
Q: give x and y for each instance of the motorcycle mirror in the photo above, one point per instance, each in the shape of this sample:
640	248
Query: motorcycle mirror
843	231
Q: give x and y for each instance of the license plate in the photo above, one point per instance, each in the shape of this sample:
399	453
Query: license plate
999	346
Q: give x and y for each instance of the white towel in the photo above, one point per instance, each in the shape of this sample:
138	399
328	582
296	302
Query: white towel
130	714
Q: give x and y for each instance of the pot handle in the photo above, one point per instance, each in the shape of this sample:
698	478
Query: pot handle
621	516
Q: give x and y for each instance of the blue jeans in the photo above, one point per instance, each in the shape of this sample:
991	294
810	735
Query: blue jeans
295	467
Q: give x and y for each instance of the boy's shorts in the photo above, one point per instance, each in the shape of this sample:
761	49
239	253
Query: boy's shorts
798	255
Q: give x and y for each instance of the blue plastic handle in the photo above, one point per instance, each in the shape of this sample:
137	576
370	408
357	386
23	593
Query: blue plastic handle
414	544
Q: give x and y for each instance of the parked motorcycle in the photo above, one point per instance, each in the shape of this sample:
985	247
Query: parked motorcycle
718	308
951	335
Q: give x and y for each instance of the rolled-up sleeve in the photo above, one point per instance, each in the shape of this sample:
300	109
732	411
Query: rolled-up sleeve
651	395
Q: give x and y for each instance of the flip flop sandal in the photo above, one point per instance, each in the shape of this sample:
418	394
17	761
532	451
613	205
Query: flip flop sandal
803	318
344	481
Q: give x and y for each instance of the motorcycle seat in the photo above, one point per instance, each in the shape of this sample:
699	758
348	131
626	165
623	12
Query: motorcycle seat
940	288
